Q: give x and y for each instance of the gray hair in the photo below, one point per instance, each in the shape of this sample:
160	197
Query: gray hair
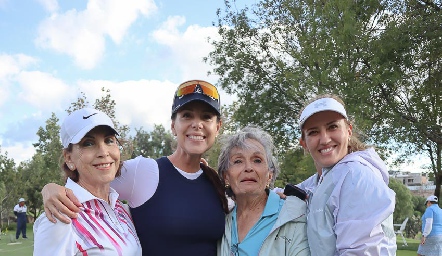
238	140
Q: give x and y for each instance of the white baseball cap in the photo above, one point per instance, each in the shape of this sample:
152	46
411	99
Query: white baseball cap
432	199
80	122
21	200
319	105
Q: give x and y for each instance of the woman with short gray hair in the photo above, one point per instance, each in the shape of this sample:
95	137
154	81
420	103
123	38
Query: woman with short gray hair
261	223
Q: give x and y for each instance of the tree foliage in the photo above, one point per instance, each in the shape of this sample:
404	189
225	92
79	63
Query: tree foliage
48	151
404	201
296	166
30	176
382	57
8	186
154	144
33	175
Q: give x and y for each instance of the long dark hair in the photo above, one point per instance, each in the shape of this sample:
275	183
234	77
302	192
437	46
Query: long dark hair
214	178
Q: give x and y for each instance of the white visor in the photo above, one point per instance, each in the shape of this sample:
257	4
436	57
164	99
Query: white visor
323	104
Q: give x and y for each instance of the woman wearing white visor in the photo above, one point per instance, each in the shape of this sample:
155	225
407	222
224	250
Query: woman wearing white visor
350	204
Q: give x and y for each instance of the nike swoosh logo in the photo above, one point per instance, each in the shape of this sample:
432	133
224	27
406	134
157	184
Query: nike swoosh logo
86	117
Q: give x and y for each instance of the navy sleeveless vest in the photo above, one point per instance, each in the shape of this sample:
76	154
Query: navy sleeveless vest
183	217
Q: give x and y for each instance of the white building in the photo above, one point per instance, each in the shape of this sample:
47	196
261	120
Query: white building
417	183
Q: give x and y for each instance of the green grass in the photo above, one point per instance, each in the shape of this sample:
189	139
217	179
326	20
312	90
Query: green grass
21	247
409	250
26	246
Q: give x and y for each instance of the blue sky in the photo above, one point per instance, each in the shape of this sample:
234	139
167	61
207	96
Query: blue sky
51	50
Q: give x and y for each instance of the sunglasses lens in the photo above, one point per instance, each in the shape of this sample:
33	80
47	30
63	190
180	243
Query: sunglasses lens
185	90
189	88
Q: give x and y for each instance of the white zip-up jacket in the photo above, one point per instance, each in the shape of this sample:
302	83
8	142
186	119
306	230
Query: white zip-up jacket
287	237
351	208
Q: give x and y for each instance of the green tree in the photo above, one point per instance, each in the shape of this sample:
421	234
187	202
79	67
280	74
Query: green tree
419	205
108	105
33	176
154	144
295	167
382	57
8	186
404	201
48	151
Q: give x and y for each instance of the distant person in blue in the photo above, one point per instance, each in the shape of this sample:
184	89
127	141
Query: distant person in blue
20	211
261	223
431	241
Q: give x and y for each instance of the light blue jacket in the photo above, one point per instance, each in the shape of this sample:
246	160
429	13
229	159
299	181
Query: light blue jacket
287	237
351	208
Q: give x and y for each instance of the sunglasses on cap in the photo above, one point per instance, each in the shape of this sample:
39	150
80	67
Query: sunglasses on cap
203	87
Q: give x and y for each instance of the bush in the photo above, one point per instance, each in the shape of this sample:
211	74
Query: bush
9	228
413	227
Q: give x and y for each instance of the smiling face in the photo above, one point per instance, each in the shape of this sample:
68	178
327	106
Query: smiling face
96	158
325	137
196	126
248	173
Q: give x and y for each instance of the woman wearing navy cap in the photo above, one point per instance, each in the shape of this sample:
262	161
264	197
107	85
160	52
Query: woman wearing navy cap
178	204
350	204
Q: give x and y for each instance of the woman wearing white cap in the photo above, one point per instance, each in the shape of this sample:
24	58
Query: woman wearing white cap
178	204
431	241
350	204
91	160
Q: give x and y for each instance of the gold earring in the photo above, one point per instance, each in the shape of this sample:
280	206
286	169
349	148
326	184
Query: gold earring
227	186
268	186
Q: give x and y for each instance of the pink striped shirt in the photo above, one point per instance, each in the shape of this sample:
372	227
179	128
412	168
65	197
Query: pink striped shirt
100	229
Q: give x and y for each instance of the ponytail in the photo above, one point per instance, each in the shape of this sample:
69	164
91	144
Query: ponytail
214	178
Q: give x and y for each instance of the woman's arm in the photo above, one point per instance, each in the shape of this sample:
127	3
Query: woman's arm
57	200
428	225
362	204
138	181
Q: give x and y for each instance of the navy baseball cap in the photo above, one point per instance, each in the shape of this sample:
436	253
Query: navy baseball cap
196	90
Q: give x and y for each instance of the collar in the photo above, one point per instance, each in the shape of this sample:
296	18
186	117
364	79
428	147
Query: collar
272	205
83	195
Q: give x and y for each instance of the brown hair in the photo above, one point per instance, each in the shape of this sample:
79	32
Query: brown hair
354	144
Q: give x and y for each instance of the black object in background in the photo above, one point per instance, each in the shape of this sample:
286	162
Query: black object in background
292	190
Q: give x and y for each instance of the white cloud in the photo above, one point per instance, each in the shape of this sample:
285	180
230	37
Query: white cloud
188	50
42	90
19	152
49	5
10	67
119	15
12	64
138	103
81	34
188	47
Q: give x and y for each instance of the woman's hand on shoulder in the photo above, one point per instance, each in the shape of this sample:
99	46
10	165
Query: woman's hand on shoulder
58	199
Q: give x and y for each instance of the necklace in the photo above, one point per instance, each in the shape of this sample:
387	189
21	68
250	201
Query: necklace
115	220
